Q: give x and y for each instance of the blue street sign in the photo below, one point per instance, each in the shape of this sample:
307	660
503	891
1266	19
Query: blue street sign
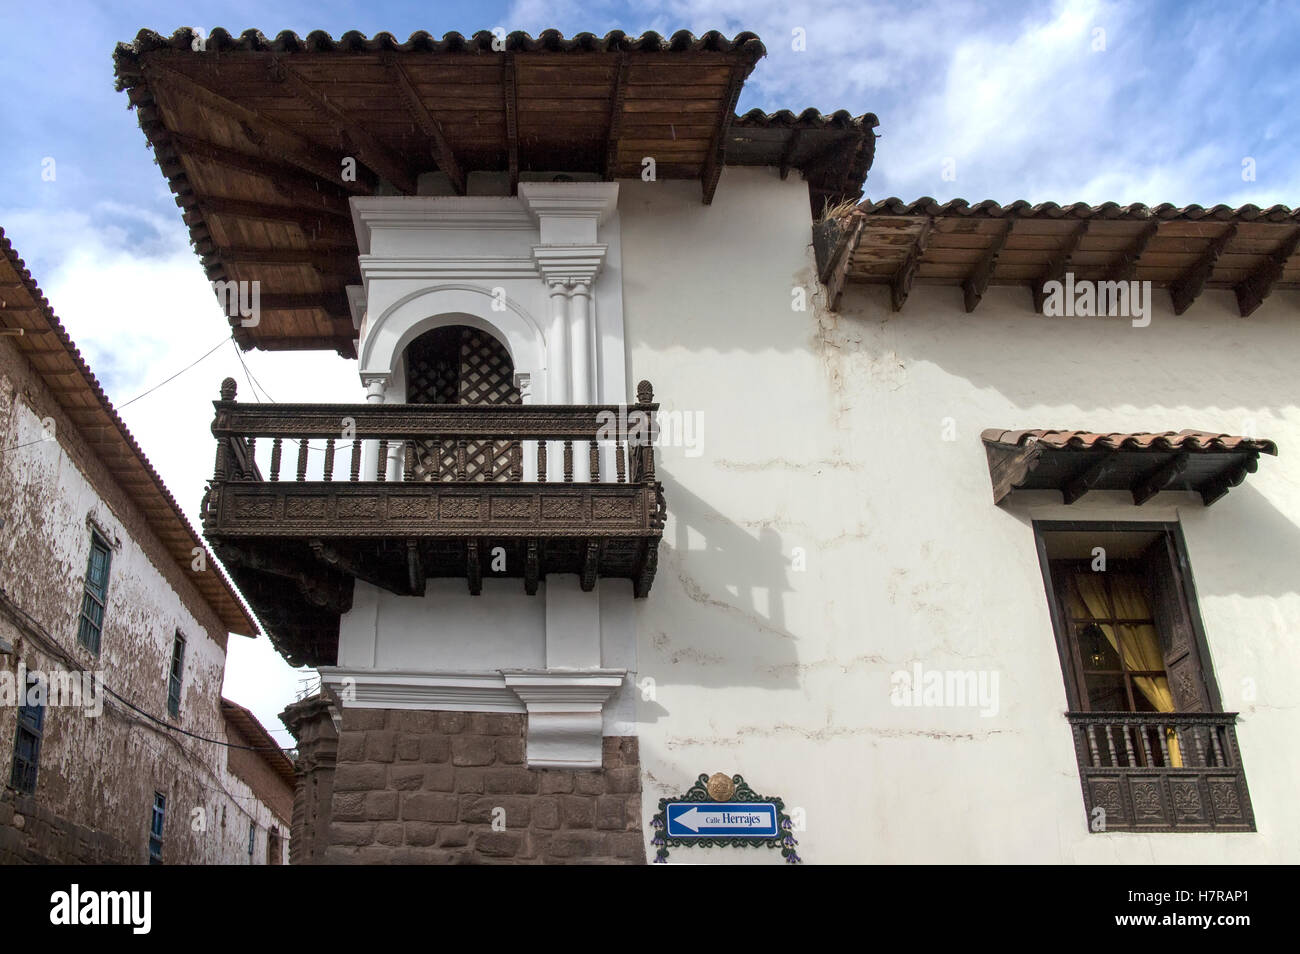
721	820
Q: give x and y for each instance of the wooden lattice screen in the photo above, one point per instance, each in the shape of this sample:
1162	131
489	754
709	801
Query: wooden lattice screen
459	365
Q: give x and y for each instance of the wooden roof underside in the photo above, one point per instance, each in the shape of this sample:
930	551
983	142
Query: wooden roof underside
251	134
46	344
1185	250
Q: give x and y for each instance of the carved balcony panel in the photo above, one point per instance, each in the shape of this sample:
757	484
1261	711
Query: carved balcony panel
1161	771
306	499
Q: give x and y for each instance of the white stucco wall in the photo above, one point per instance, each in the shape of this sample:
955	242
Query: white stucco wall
826	432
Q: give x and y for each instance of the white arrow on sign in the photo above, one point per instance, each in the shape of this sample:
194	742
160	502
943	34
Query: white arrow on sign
694	818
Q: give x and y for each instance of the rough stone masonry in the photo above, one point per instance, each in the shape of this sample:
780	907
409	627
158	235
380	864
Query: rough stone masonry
420	787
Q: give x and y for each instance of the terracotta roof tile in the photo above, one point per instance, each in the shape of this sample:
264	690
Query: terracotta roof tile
353	41
1078	210
1163	441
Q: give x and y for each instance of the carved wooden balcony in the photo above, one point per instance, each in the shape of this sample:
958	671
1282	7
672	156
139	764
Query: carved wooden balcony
471	491
1161	771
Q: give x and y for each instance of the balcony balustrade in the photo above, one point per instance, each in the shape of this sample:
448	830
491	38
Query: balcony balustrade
1161	771
307	498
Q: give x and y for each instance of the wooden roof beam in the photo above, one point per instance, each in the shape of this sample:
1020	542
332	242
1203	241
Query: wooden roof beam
840	265
333	304
1254	289
1124	268
510	91
1089	477
900	286
1218	487
1059	265
615	125
712	170
278	141
1191	283
310	257
379	158
787	154
307	220
977	283
442	151
289	180
1147	486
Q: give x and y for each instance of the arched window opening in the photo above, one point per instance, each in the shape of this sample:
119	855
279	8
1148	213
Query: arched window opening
456	364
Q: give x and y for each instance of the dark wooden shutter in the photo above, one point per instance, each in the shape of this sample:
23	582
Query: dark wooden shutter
1169	606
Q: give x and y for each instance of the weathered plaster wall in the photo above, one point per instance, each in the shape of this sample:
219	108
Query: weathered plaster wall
98	775
826	432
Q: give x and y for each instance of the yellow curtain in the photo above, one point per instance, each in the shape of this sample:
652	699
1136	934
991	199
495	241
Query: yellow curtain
1139	646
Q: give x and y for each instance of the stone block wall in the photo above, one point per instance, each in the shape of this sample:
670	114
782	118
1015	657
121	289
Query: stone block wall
419	787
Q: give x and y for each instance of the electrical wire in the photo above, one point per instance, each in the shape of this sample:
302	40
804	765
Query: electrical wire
142	394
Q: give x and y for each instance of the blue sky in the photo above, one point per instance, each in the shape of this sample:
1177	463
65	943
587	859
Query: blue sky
1082	100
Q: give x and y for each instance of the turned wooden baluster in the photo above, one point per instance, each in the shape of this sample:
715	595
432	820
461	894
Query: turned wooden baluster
354	471
1162	735
541	461
462	463
219	465
408	463
1110	742
302	458
1218	749
593	462
329	459
645	394
1144	733
568	462
250	455
381	462
1200	746
1092	744
275	458
1128	741
619	462
516	461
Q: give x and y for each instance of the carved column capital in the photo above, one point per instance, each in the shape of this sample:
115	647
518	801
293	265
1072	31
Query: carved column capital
375	385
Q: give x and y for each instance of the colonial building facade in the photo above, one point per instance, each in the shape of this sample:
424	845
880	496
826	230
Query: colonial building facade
841	551
115	743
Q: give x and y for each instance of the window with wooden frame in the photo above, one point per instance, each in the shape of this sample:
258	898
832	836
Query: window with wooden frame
95	594
156	821
27	737
1155	750
175	673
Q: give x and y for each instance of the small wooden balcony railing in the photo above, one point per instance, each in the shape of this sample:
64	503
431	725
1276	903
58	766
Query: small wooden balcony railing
1161	771
322	495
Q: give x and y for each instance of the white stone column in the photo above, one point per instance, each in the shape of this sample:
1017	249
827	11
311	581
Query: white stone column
375	386
580	350
557	372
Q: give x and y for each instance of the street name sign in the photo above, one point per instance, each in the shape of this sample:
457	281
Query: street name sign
722	820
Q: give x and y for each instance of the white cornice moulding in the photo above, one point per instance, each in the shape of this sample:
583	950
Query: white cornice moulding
401	689
436	212
564	713
565	707
374	266
569	263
